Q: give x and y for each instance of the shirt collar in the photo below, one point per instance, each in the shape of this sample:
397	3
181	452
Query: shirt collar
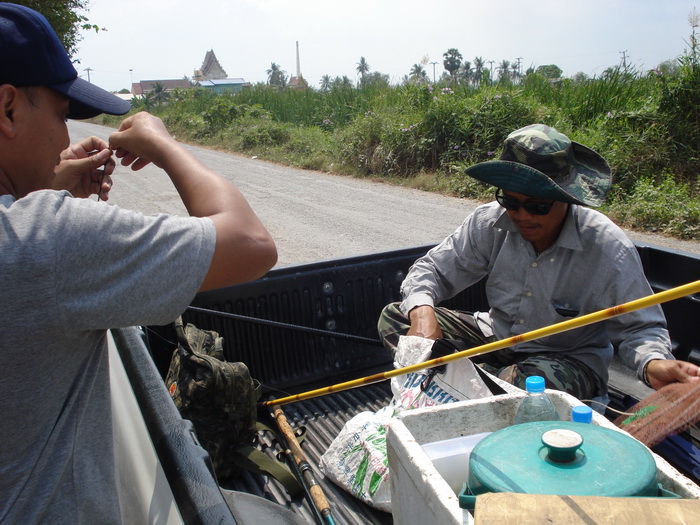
568	238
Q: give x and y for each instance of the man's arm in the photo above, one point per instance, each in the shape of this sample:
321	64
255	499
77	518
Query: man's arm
440	274
424	323
244	249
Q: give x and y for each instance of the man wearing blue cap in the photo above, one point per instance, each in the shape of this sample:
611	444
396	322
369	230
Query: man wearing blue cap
548	257
74	267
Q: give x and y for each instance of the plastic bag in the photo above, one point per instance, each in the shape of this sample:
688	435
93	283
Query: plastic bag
357	460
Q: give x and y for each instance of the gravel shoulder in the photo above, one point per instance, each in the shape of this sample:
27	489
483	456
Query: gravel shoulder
312	215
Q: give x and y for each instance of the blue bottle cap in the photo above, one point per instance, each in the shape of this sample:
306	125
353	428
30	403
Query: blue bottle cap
534	384
581	414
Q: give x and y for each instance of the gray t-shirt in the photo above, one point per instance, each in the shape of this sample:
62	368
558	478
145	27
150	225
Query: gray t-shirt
72	268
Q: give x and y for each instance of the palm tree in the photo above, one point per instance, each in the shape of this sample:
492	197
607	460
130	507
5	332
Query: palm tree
147	101
465	72
159	95
515	70
504	69
362	67
344	82
479	64
275	76
418	74
325	83
453	59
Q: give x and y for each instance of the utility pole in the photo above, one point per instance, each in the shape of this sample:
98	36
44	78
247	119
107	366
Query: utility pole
88	72
433	63
490	62
624	60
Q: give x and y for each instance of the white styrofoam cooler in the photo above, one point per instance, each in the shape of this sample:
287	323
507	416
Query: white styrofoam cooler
419	494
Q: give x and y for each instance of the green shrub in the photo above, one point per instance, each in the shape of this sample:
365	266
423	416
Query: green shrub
661	205
448	128
385	142
309	148
587	100
256	133
461	185
493	116
679	109
635	145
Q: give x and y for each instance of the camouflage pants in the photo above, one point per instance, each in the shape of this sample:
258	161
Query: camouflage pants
560	372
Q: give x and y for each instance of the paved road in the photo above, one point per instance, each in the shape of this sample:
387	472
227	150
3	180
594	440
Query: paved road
311	215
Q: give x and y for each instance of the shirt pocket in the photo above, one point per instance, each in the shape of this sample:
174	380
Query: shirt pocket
566	310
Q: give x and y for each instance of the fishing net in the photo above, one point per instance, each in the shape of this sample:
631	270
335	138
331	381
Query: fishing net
668	411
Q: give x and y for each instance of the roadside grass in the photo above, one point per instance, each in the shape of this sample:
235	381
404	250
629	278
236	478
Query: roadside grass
660	206
425	136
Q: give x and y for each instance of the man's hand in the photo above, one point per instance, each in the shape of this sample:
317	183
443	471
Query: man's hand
142	139
661	372
85	169
424	323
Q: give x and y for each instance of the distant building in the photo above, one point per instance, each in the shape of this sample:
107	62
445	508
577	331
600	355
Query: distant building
210	76
225	85
146	86
298	81
210	70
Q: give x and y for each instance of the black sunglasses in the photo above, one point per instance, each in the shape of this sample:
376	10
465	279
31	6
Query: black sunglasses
533	208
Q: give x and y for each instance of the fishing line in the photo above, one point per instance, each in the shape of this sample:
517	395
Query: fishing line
99	191
607	407
150	330
279	324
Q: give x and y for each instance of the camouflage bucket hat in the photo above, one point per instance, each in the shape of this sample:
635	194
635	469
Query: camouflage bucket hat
538	161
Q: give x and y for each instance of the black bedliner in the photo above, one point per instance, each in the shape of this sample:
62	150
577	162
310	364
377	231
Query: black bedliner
345	297
323	418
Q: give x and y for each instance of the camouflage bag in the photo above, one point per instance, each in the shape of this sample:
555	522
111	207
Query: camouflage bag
220	399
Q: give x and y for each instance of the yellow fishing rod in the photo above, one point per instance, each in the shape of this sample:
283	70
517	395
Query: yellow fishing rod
578	322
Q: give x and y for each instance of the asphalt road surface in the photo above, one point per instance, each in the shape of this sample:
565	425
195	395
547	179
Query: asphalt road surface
311	215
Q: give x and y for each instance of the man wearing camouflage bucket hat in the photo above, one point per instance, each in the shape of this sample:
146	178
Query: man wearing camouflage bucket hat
547	257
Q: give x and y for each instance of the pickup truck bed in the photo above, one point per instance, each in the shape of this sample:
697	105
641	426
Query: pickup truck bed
340	302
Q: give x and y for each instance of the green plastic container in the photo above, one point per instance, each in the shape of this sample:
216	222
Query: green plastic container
564	458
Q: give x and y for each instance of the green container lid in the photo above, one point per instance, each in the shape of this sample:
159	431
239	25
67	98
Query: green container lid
577	459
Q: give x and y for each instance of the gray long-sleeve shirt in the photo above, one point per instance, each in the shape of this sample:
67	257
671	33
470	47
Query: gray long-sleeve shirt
591	266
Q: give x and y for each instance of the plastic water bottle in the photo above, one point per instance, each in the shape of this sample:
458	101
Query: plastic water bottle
536	406
581	414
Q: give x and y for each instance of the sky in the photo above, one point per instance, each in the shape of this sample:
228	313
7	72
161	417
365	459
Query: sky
168	39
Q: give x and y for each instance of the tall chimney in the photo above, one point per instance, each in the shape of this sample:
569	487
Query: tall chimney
298	66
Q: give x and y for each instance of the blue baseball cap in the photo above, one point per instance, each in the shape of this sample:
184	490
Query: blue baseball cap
32	55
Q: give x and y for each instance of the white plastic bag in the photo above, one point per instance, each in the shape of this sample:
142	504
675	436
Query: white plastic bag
458	382
356	460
